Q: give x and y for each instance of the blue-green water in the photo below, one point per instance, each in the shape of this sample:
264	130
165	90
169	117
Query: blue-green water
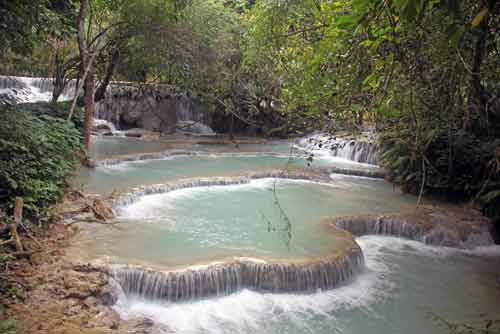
404	281
106	147
121	177
403	284
204	224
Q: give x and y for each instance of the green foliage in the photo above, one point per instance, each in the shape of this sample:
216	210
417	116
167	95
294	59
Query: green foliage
453	164
57	110
26	23
424	73
8	326
37	154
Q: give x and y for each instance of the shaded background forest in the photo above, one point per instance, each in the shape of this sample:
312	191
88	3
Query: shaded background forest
424	74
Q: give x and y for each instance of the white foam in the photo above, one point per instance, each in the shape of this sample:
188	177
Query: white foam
164	156
247	311
150	206
253	312
344	177
31	93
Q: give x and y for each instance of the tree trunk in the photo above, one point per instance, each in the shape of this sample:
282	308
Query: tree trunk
231	128
110	70
59	77
89	87
478	102
88	99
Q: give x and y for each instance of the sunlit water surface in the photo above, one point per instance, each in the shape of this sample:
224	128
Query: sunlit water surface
209	223
403	284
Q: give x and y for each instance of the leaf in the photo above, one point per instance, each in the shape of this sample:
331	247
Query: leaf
480	17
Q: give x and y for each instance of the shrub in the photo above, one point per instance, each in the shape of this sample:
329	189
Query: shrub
58	110
37	154
454	164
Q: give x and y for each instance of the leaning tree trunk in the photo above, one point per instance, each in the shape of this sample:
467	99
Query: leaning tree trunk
110	70
86	62
59	77
88	99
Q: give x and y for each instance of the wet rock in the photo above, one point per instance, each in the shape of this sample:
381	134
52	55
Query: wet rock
108	295
90	302
133	134
142	323
154	108
190	127
145	326
105	318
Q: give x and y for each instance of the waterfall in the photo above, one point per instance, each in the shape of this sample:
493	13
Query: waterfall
430	232
125	105
103	124
15	90
362	151
358	151
106	128
225	278
154	108
134	195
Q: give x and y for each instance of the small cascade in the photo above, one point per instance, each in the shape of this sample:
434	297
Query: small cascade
358	151
362	151
367	225
139	192
430	233
102	124
103	127
15	90
163	155
225	278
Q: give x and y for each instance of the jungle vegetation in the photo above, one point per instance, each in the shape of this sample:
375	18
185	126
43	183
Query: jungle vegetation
424	73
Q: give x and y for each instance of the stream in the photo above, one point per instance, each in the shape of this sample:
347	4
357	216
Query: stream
403	286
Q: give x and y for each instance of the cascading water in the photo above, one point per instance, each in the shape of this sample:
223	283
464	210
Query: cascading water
123	105
15	90
306	266
198	257
225	278
429	233
403	283
361	151
161	108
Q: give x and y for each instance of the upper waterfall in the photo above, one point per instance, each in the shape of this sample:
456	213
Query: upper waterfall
15	90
